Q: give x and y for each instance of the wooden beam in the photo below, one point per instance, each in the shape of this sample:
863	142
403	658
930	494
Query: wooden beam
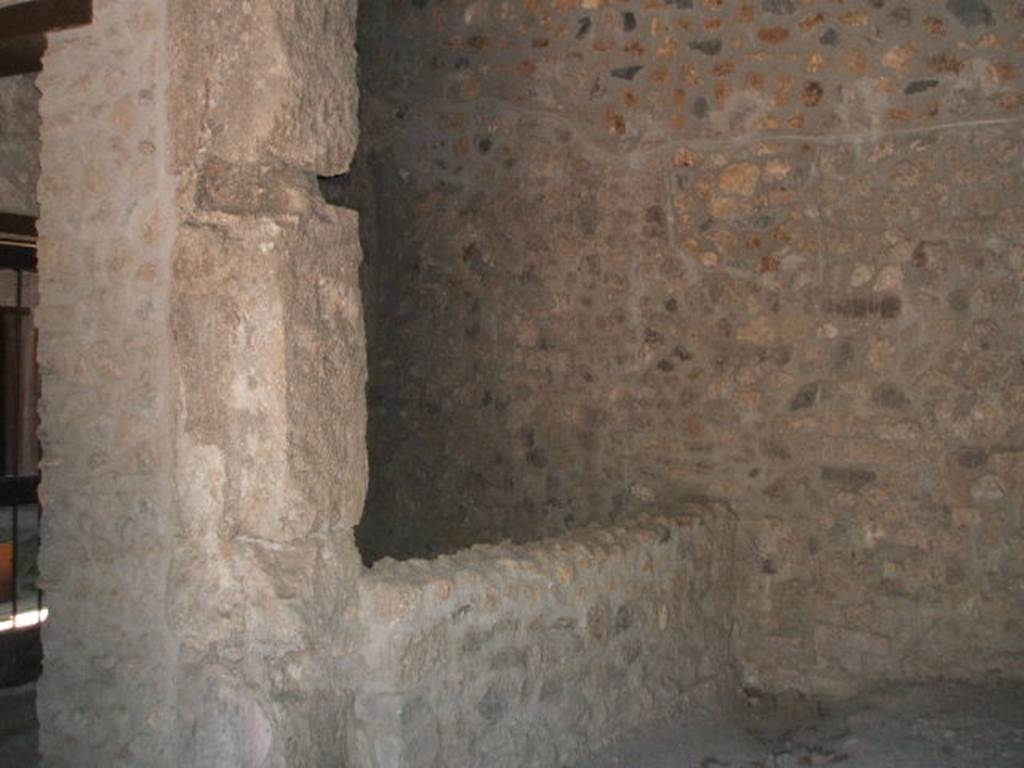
21	257
15	224
17	242
22	55
37	17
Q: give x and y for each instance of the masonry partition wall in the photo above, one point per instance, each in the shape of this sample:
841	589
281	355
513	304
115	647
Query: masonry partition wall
684	337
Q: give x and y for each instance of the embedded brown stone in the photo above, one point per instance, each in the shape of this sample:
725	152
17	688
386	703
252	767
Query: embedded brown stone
740	179
773	35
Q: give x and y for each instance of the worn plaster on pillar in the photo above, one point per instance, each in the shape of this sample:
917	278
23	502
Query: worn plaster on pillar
107	232
200	314
268	323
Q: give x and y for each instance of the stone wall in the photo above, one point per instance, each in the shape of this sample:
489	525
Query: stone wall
271	465
106	234
532	655
19	145
626	255
199	314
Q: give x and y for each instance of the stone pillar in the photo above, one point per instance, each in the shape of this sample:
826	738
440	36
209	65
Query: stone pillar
203	367
107	231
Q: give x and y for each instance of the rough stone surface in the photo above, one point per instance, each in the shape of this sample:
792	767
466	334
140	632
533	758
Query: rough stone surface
271	83
199	313
519	657
19	145
621	259
930	725
106	235
267	322
266	328
786	276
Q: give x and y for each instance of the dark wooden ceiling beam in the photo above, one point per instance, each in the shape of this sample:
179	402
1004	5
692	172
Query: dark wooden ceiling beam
16	224
23	28
22	55
21	257
17	242
37	17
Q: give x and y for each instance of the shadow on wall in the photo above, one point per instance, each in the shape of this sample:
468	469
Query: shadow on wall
616	258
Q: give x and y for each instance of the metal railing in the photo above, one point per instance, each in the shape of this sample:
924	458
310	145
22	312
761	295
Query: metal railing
21	599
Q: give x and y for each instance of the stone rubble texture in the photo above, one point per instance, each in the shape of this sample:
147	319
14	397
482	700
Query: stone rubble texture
623	255
199	313
529	656
736	282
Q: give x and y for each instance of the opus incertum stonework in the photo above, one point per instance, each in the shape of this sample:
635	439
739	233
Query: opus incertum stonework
555	366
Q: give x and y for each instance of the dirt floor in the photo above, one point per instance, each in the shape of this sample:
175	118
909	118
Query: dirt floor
939	725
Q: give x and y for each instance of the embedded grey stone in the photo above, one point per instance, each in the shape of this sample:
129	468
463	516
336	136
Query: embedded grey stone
972	458
919	86
971	13
852	479
707	47
988	489
395	730
806	397
627	73
888	395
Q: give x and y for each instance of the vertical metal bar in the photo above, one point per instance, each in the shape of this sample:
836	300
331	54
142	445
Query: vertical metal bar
17	438
3	435
14	569
17	385
35	461
5	468
39	547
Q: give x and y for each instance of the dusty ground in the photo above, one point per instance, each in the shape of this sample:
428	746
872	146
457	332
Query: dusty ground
924	726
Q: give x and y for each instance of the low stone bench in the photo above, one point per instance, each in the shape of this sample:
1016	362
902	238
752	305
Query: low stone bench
531	655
